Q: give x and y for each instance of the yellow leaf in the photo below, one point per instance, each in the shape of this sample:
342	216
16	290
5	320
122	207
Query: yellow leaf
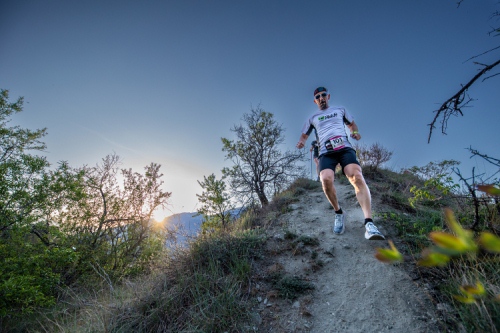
448	241
489	242
453	224
465	299
477	290
465	236
432	259
389	255
490	189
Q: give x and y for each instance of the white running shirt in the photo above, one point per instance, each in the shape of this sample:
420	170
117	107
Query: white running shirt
330	128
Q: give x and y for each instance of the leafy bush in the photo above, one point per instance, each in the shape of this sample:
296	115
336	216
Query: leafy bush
30	277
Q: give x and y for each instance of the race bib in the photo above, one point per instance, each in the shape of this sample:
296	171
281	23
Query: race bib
335	143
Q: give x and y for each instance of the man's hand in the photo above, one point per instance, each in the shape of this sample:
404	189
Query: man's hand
356	136
302	141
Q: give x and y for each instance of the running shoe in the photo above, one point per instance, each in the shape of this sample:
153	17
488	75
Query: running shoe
372	232
339	227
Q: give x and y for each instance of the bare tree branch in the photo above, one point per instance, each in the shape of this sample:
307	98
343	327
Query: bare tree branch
472	192
453	106
489	77
492	160
481	54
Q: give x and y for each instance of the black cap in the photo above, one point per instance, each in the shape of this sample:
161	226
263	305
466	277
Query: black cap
320	89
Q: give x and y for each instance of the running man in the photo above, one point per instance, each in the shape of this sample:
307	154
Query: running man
334	148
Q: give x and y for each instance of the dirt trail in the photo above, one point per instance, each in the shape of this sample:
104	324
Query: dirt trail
353	291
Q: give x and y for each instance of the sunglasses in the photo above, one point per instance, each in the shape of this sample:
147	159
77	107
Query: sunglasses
320	95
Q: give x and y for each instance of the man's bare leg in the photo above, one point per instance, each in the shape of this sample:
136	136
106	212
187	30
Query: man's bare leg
327	177
355	176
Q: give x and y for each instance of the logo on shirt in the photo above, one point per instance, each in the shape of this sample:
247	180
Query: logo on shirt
328	116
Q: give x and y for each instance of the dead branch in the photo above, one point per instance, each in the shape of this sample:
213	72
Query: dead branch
454	105
472	192
481	54
492	160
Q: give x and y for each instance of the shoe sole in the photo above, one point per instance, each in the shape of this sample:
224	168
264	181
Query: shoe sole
375	237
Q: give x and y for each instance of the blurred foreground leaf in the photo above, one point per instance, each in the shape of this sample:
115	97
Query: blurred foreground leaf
433	259
465	236
489	242
477	290
465	299
490	189
470	293
391	255
452	245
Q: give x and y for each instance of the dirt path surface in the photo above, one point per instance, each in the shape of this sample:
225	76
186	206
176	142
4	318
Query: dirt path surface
353	292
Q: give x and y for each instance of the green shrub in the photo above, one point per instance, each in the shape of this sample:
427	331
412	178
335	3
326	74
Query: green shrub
29	277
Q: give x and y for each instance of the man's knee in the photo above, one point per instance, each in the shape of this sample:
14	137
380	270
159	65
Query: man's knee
327	177
357	179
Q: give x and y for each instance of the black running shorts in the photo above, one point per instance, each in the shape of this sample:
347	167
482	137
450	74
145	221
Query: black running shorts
344	157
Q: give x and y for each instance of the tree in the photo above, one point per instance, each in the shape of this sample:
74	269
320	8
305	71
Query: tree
32	263
216	203
20	172
373	156
260	168
110	223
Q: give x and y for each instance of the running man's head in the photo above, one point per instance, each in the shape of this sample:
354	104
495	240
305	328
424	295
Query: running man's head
321	97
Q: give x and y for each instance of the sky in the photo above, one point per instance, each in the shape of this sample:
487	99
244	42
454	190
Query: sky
164	81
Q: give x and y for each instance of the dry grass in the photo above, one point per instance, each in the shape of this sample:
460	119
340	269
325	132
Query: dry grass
199	288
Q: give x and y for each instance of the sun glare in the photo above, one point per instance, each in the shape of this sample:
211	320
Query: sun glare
160	214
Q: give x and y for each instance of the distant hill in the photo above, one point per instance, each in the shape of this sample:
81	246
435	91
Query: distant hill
186	225
183	226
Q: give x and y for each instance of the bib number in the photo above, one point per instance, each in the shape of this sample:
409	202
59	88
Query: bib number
335	143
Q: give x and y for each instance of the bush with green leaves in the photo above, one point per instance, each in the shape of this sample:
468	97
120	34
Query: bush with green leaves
438	184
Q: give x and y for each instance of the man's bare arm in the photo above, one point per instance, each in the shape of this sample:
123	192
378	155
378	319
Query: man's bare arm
353	127
302	141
